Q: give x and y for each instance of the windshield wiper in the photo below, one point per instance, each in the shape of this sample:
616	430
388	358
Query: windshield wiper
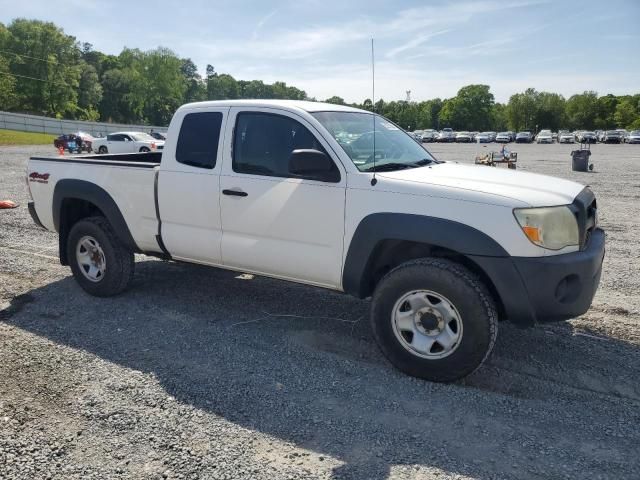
424	161
388	167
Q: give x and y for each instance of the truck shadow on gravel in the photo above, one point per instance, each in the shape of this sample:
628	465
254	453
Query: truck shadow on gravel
299	364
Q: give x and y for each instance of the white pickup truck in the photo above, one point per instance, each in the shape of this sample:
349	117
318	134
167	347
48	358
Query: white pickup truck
338	198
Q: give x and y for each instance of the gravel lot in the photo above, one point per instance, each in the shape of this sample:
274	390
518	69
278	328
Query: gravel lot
196	373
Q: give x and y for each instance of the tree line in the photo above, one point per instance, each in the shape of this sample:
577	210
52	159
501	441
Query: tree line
47	72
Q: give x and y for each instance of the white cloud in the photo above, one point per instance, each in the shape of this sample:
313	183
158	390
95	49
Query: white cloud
261	23
415	42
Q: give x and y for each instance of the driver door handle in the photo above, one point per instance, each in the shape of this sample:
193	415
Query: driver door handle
235	193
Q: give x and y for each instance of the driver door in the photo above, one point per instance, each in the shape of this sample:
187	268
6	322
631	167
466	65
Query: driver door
273	222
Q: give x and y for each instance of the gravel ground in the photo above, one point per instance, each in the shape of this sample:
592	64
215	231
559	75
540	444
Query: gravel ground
201	373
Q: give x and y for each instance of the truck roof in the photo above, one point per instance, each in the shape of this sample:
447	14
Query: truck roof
286	104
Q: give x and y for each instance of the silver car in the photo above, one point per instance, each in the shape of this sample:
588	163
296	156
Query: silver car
634	137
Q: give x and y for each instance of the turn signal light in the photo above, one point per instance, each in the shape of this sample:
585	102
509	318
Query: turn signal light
533	233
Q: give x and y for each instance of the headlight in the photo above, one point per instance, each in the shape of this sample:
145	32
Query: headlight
549	227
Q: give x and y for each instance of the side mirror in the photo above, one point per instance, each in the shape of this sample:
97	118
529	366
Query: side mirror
313	165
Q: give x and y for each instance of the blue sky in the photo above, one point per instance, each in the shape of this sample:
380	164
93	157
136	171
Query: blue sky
430	47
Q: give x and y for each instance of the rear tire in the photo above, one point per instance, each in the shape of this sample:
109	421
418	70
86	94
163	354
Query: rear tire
144	150
100	263
447	325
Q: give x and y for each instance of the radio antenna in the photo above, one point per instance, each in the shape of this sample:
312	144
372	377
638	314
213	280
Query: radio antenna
373	116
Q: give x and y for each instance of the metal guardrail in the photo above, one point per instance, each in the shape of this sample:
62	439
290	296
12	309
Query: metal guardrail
34	123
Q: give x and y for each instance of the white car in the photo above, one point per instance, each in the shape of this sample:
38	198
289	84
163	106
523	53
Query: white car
503	137
297	191
127	142
566	137
545	136
464	137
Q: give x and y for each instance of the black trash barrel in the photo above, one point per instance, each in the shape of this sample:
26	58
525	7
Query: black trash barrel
580	160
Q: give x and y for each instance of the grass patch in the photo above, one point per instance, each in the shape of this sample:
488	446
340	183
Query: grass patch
13	137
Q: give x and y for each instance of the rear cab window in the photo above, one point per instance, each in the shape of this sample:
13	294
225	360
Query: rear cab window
198	139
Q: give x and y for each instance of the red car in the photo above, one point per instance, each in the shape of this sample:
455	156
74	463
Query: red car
74	142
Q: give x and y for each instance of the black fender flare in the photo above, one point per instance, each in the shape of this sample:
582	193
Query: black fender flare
434	231
90	192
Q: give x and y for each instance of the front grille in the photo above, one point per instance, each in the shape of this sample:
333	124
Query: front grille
584	208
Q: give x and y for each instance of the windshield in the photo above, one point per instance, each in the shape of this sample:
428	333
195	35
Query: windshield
143	137
393	147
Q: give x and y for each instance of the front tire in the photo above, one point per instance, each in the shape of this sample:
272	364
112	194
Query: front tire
100	263
434	319
103	150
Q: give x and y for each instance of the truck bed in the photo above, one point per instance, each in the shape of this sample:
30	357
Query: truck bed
140	160
128	179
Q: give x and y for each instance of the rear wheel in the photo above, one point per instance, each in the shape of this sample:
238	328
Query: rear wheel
144	149
100	263
103	150
434	319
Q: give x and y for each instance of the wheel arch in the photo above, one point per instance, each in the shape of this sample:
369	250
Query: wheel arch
74	200
384	240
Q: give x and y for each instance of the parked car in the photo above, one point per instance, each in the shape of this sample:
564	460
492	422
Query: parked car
623	134
524	137
74	142
417	135
429	136
588	137
445	250
483	137
158	135
503	137
612	136
447	135
634	137
544	137
566	137
464	137
127	142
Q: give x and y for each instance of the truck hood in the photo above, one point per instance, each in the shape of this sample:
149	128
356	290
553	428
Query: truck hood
522	187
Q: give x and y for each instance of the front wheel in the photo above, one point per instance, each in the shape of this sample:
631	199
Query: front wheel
434	319
103	150
100	263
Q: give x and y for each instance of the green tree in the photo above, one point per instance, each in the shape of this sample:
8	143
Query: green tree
625	114
196	89
223	87
499	119
336	100
606	110
47	61
582	110
470	109
89	93
7	86
550	111
522	109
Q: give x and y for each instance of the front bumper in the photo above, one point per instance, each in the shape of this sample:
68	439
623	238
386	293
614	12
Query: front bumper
546	289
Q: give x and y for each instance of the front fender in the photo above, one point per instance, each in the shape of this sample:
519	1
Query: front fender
437	232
